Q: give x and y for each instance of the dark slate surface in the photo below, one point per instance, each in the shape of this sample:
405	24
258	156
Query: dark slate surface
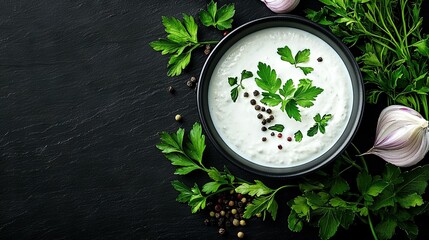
82	99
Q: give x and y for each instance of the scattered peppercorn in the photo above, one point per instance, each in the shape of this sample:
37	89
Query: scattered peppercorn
239	196
217	215
280	135
258	215
271	117
234	211
269	111
257	107
208	46
243	200
280	147
206	222
207	51
171	89
264	139
268	120
260	116
222	231
253	101
178	117
225	33
264	122
193	79
240	234
190	84
264	129
256	93
218	208
242	222
236	222
240	205
272	134
263	109
319	59
222	213
231	203
212	214
289	139
246	94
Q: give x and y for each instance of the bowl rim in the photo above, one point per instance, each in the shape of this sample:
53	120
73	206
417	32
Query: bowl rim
286	20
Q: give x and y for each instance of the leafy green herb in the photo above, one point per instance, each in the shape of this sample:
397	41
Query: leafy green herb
277	127
320	125
290	97
233	82
302	56
219	18
393	52
298	136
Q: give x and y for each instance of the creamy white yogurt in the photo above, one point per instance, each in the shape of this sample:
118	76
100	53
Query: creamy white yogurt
237	122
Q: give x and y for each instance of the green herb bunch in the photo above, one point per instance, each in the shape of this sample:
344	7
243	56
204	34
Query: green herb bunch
394	54
182	36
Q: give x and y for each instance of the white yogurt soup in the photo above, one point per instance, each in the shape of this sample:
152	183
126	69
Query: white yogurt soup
237	122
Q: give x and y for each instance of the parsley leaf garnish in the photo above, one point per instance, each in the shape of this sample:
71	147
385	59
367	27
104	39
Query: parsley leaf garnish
277	127
320	125
302	56
219	18
233	82
298	136
290	97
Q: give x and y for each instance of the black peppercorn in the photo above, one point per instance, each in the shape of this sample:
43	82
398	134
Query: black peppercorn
240	205
268	120
260	116
207	51
218	208
256	93
280	147
171	89
273	134
263	109
257	107
222	231
193	79
289	139
272	117
246	94
264	139
253	101
319	59
190	84
264	122
206	222
269	111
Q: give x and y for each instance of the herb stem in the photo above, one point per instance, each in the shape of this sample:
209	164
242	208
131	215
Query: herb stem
365	166
352	163
208	42
219	191
372	227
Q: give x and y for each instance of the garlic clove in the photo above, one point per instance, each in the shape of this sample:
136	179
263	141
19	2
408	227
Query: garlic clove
281	6
402	136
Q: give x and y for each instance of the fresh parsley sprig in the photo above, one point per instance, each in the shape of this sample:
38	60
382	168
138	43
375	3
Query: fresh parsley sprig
302	56
233	82
221	18
320	124
182	36
393	52
290	97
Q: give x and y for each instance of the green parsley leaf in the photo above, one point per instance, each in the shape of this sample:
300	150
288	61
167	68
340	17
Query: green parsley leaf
196	145
171	143
409	201
363	182
286	55
185	192
320	125
306	93
232	81
295	223
288	89
292	110
197	200
298	136
415	181
262	204
211	187
306	70
234	93
328	224
257	189
376	188
386	228
271	99
268	79
302	56
246	74
300	206
339	186
220	19
277	127
177	63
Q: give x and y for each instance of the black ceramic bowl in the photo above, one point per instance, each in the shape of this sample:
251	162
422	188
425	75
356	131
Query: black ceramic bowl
293	22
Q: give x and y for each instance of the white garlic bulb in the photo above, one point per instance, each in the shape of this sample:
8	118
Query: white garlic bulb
281	6
402	137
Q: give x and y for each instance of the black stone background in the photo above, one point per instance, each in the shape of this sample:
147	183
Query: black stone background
82	99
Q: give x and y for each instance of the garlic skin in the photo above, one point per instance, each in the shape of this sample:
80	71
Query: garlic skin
281	6
402	136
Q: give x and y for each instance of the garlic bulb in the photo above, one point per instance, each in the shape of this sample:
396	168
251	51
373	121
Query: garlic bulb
281	6
402	137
